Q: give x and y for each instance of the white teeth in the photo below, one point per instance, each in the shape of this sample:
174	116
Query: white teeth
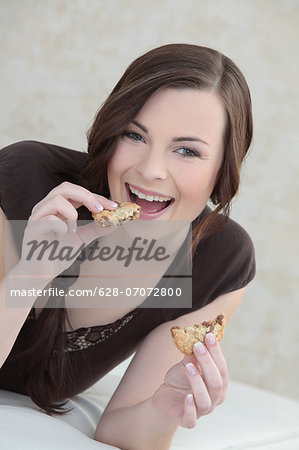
149	198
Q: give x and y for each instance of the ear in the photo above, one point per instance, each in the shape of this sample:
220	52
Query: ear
215	197
216	193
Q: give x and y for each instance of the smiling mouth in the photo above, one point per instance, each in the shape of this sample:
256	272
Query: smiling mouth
150	204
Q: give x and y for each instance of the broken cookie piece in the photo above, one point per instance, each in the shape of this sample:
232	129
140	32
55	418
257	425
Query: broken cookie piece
123	213
185	337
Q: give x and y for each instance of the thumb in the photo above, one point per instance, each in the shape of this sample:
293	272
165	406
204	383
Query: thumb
93	231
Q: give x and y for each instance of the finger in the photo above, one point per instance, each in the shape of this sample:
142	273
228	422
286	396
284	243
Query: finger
58	205
71	223
190	413
193	360
210	372
199	389
215	351
37	229
82	196
92	231
187	359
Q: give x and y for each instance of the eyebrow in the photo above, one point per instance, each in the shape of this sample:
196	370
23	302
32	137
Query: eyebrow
176	139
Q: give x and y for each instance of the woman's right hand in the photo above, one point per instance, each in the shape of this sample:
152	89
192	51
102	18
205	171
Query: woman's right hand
54	218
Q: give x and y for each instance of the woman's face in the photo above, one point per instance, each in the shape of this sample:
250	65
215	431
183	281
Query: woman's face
168	158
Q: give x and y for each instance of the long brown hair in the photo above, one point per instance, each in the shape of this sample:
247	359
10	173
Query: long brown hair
177	66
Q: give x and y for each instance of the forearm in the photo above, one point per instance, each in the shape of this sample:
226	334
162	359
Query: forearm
14	309
136	427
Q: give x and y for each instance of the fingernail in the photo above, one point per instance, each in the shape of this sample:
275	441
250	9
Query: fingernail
191	369
113	203
199	348
190	399
98	206
210	338
75	228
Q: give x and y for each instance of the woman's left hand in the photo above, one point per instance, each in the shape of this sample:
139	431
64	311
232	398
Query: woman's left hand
195	386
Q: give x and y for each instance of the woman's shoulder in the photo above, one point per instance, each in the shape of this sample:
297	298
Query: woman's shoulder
234	236
31	169
34	152
231	238
227	257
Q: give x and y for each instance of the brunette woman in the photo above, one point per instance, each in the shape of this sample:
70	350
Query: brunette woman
171	137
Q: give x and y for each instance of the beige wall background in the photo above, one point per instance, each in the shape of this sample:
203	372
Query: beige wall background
61	58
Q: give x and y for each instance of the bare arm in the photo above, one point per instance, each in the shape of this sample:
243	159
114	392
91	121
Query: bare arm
11	319
55	216
134	409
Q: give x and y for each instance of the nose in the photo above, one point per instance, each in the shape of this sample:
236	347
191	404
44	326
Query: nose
152	166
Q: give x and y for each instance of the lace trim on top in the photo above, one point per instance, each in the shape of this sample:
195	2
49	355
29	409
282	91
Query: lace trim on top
86	337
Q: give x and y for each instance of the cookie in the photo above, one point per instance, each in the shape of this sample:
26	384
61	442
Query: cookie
123	213
185	337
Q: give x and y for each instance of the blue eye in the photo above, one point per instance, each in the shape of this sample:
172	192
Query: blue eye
132	135
188	152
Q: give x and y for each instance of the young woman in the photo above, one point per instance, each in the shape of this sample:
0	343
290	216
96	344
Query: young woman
171	136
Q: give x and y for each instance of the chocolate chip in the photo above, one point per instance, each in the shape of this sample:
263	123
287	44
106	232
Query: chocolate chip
219	319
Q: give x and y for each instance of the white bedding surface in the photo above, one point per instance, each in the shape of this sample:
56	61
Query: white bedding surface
24	428
249	419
